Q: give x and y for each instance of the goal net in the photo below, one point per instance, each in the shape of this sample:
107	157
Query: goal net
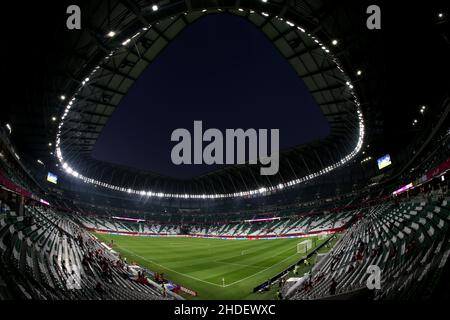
323	236
304	246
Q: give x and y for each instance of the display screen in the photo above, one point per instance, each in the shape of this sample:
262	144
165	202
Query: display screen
384	161
53	178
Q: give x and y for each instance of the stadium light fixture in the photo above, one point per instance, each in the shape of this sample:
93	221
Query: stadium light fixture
366	160
40	162
440	15
359	72
265	1
334	42
50	144
8	126
111	34
155	7
62	97
53	118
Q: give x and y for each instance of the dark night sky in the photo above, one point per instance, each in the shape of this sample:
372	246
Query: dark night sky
221	70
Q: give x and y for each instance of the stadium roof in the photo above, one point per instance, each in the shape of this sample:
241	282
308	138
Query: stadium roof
67	102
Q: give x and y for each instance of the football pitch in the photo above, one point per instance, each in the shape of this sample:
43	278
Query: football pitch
216	269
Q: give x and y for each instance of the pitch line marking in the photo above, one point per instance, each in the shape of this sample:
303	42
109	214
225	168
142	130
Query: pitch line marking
238	264
164	267
250	276
204	281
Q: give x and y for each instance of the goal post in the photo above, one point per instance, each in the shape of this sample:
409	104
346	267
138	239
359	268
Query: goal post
304	246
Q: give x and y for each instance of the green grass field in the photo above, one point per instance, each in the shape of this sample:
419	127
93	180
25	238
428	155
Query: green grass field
201	264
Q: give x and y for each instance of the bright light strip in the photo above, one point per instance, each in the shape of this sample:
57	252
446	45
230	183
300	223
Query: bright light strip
128	219
250	193
263	219
366	159
44	202
402	189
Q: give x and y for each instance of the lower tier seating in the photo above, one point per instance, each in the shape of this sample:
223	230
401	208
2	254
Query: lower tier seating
408	241
46	256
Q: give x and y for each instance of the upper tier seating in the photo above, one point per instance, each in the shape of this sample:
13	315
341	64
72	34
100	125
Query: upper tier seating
302	224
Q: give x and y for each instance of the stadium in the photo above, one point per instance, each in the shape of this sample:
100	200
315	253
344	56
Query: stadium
357	205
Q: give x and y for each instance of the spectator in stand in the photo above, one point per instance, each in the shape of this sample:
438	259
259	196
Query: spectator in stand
332	265
308	285
351	268
333	286
392	252
142	279
99	289
410	246
63	266
85	262
296	270
279	296
375	252
359	256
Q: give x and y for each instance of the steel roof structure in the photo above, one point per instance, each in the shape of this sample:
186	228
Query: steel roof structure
91	70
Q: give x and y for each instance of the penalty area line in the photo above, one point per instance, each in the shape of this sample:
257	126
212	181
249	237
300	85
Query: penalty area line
171	270
238	264
251	276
